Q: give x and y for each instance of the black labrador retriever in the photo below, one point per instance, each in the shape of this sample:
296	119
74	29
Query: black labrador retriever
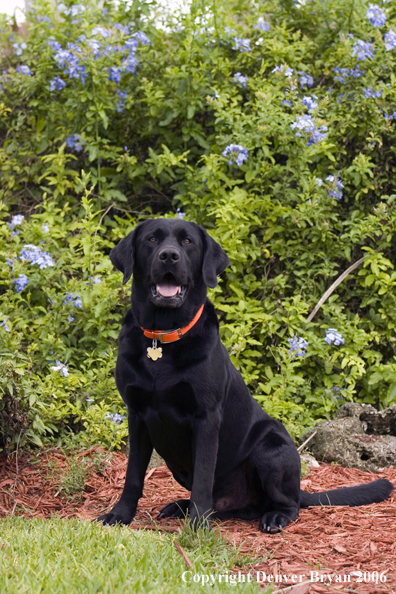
187	400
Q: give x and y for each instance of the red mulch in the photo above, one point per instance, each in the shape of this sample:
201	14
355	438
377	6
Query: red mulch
337	541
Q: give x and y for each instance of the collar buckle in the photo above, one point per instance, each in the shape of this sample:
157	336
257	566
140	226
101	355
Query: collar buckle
160	334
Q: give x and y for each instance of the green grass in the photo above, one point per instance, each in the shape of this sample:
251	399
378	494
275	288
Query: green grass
76	557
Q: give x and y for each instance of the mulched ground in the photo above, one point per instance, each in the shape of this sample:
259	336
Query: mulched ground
339	541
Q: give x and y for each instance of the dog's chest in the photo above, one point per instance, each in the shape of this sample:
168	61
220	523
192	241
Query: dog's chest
169	415
159	394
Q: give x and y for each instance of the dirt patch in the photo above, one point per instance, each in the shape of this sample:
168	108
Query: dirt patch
339	541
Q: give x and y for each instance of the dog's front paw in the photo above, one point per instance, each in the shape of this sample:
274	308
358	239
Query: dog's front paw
176	509
274	522
117	516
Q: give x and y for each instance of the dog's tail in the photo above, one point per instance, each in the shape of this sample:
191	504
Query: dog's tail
374	492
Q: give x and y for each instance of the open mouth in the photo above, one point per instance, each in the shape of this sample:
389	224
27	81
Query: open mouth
168	292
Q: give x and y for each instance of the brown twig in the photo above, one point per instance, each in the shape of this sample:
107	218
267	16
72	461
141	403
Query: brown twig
334	286
183	554
306	441
150	473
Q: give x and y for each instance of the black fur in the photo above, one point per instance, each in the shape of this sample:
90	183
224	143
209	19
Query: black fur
192	405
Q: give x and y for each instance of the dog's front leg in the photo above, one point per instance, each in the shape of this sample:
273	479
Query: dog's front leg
140	450
206	445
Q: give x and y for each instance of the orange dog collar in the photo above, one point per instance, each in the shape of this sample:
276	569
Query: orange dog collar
165	336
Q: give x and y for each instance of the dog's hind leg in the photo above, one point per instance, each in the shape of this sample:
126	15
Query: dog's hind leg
176	509
278	468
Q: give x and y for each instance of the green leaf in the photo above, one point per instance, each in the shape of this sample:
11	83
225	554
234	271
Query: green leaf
190	111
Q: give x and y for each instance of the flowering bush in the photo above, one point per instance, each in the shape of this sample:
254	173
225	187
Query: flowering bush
272	125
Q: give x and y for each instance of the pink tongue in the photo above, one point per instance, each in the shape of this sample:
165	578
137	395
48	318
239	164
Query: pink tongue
168	290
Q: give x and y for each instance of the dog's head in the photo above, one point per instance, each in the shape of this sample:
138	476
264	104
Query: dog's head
173	261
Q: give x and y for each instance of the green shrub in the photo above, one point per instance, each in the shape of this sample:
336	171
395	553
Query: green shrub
138	128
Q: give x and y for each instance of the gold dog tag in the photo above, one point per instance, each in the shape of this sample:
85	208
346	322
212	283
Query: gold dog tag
154	352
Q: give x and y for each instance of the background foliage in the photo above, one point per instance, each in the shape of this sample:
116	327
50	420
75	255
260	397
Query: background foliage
110	115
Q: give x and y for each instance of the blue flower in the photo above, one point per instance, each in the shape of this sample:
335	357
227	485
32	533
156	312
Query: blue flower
286	102
363	49
305	79
243	45
76	9
390	40
121	28
57	84
310	102
343	73
376	15
68	60
10	262
95	279
62	367
141	37
337	186
237	154
180	214
262	25
282	68
333	336
73	300
34	255
95	46
74	141
297	346
15	220
340	74
241	79
101	31
307	124
370	93
229	31
115	74
121	104
131	45
318	181
19	48
4	324
54	44
116	418
70	318
45	227
20	282
356	72
131	63
24	70
389	117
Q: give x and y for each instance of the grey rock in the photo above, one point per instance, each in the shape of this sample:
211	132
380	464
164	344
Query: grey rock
359	437
309	460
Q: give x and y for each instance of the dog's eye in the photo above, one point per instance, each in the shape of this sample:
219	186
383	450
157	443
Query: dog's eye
152	239
187	240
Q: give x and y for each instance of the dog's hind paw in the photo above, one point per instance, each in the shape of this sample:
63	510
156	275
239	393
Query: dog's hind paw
176	509
273	522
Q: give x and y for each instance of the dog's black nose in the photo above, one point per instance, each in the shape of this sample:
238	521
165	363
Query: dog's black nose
169	255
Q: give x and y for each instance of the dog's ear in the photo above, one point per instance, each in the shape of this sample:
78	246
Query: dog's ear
123	255
215	260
